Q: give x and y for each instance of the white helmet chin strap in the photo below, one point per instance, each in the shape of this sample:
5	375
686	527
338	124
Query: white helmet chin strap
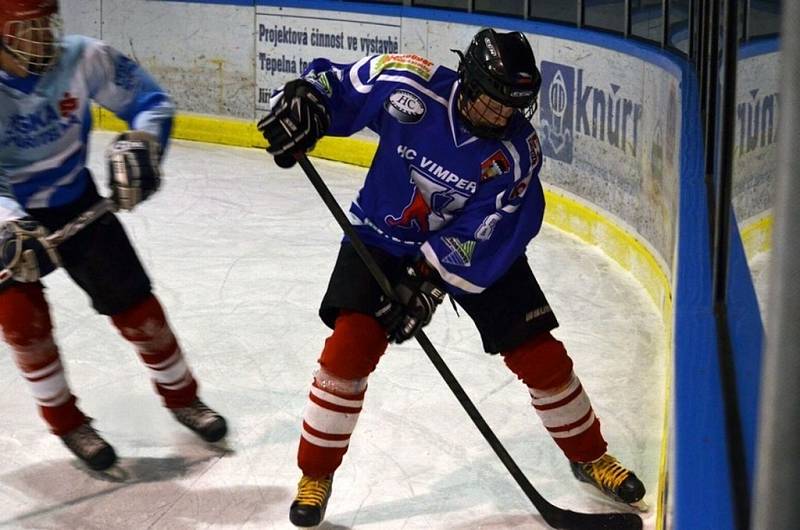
35	44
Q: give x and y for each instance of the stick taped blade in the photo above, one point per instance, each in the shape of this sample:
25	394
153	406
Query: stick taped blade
569	520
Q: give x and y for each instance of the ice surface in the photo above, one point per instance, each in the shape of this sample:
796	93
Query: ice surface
240	252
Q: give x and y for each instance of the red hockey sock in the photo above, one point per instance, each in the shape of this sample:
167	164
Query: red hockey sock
557	395
28	330
145	326
355	347
350	354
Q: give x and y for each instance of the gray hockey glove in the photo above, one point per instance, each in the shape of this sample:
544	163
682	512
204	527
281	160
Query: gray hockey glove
418	293
25	254
134	172
298	119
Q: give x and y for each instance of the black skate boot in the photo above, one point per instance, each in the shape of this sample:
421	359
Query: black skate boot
206	423
308	508
90	447
608	475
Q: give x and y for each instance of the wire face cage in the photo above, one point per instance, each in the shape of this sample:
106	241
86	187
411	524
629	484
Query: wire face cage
34	42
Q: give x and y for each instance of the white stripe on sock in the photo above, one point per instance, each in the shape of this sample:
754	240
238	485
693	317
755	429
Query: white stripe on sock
329	421
575	431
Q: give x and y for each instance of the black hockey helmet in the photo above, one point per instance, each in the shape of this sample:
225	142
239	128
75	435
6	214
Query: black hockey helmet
502	66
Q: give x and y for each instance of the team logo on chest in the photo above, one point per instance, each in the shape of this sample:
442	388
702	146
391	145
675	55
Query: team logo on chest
405	106
436	194
432	205
47	124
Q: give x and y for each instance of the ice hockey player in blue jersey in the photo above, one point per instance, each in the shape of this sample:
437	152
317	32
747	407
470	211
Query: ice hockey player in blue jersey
47	85
449	204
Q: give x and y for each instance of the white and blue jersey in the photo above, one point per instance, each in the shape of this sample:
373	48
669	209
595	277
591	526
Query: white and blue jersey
470	205
45	122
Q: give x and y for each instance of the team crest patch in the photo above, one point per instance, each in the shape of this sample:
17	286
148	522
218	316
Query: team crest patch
461	251
495	165
413	63
535	149
405	106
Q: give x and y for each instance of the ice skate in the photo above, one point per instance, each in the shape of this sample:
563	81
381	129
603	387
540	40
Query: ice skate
198	417
90	447
308	508
610	477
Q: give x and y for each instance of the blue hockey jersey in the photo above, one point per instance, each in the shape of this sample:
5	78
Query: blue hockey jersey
470	205
45	122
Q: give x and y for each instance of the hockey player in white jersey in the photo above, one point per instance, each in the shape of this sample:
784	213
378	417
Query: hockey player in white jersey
47	84
449	204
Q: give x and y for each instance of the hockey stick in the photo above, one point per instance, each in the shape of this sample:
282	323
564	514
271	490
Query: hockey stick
86	218
553	515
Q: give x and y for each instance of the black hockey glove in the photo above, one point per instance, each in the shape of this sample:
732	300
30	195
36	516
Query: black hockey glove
418	293
25	254
134	172
298	119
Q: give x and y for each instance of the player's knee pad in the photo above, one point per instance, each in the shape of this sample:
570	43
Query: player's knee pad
541	362
27	328
147	311
145	326
353	350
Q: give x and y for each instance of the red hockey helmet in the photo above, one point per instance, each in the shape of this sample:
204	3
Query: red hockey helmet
31	33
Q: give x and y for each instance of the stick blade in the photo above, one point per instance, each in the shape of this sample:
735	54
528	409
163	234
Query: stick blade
569	520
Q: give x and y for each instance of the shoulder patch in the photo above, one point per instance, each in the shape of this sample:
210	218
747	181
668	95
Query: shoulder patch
535	149
495	165
419	66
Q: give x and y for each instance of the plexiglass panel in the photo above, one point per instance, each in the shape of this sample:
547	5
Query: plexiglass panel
555	10
605	14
